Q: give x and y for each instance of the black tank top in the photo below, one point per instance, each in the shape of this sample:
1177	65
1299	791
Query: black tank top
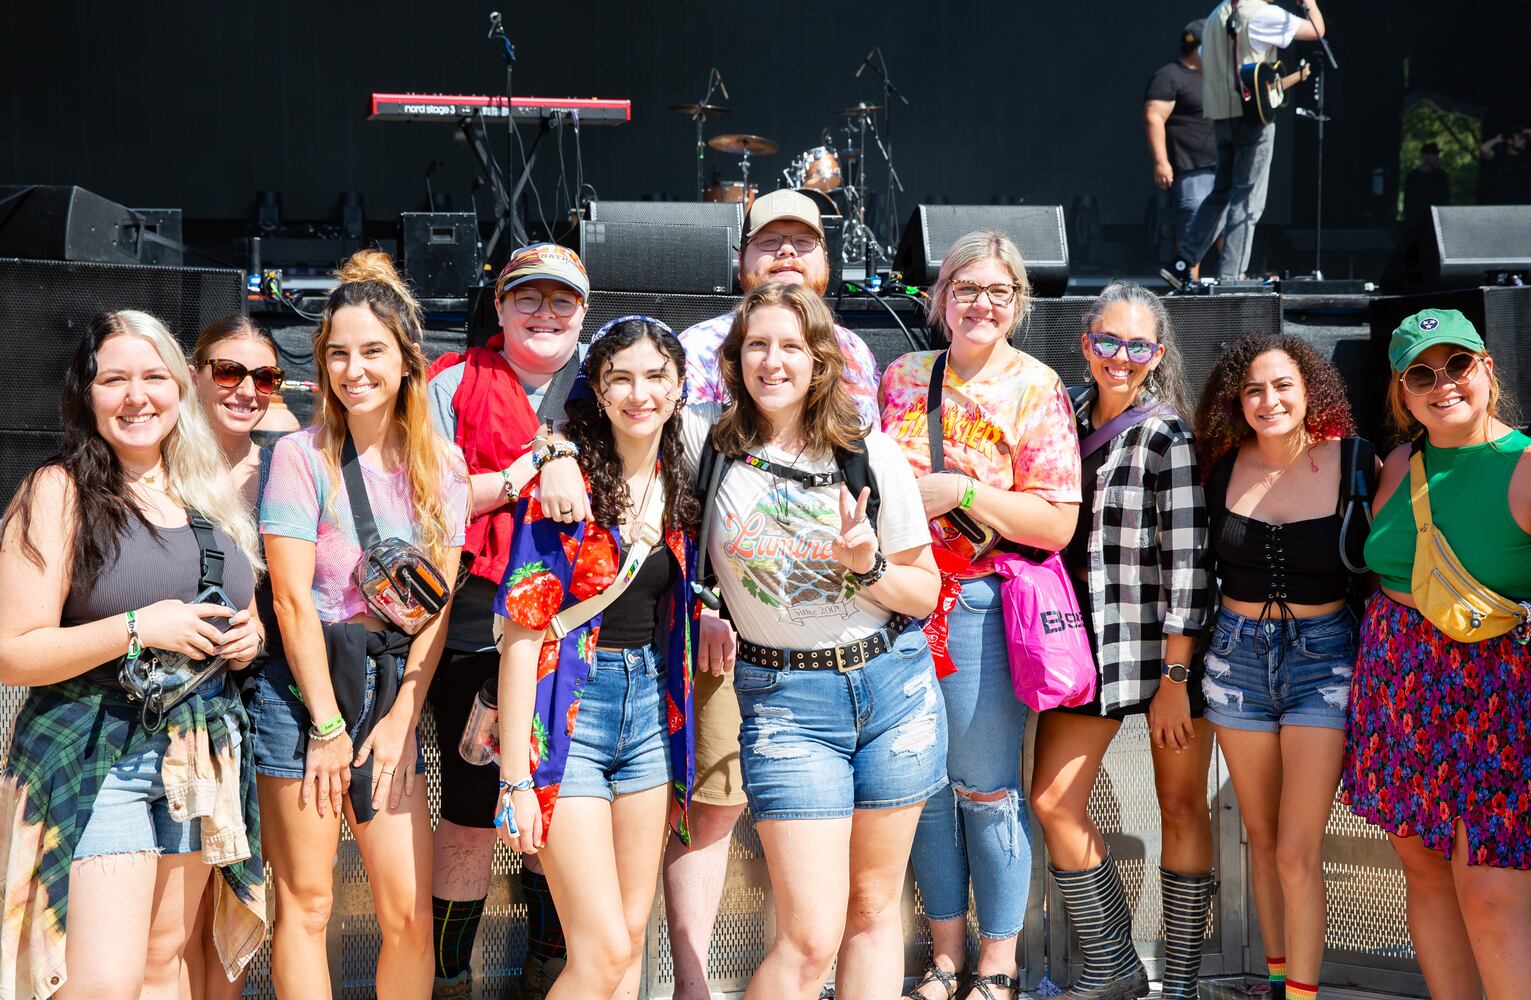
1296	563
633	618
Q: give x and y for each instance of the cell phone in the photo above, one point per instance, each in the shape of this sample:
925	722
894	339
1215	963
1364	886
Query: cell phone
215	595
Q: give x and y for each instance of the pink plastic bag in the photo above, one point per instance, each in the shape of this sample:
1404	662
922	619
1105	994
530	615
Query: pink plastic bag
1050	659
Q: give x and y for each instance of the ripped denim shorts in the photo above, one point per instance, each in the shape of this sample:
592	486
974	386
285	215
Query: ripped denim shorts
819	744
1263	674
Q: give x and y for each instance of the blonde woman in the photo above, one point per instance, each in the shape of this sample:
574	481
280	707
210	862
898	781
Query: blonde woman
107	852
316	763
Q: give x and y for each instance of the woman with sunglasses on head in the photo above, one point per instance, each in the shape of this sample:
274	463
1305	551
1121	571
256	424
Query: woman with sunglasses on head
117	811
335	713
1273	431
1012	470
1439	743
843	736
603	700
235	371
1138	559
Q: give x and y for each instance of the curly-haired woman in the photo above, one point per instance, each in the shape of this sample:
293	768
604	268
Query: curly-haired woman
604	707
1439	750
1272	428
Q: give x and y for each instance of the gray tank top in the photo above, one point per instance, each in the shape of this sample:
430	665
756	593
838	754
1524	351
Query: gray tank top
147	570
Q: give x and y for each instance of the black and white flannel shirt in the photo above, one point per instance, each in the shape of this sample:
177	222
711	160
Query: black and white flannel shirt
1148	571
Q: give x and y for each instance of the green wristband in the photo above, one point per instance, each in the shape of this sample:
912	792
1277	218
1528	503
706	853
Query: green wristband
135	648
969	494
324	729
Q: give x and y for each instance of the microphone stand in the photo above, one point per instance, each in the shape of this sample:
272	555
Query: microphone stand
517	228
700	117
885	141
1323	64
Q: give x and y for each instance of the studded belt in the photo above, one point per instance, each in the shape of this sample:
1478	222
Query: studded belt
850	656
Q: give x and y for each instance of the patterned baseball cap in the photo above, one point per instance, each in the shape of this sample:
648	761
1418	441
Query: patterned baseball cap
544	261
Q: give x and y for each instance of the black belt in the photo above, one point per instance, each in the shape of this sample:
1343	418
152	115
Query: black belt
851	656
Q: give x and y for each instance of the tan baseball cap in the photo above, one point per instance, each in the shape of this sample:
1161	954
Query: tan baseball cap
783	203
543	260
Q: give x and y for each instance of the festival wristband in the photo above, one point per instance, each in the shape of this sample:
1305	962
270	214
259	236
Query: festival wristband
969	494
508	487
135	648
506	817
324	730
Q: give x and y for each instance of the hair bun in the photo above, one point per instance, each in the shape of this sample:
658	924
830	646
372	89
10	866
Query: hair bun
376	265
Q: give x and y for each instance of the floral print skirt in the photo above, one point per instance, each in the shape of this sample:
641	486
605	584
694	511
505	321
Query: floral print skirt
1440	731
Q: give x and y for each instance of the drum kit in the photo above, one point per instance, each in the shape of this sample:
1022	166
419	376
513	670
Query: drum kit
831	175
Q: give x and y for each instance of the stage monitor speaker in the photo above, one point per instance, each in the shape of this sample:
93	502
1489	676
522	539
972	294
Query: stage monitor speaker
1037	229
439	253
730	215
1461	246
1502	316
46	305
653	257
64	222
679	311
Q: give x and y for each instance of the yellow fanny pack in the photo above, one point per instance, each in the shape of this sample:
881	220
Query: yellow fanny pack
1450	597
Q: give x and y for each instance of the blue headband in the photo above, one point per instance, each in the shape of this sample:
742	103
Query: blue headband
582	389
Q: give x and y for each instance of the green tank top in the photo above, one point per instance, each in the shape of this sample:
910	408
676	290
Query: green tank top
1469	488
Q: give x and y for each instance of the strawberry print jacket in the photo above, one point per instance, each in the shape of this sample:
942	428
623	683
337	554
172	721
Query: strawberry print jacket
554	566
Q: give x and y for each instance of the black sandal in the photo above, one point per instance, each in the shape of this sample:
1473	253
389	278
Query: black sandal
978	986
934	974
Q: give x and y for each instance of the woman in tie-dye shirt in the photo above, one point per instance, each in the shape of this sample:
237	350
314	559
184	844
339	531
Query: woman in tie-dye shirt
1012	466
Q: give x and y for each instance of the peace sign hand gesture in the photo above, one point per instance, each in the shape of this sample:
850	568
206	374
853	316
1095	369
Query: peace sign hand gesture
855	547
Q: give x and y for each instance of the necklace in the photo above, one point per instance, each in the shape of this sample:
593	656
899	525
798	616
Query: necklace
632	520
781	509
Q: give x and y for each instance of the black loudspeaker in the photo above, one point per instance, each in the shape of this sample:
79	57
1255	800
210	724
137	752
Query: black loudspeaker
728	214
45	307
438	252
1461	246
1037	229
651	257
64	222
1502	316
679	311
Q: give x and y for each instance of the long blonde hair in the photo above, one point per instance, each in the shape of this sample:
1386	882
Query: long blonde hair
370	280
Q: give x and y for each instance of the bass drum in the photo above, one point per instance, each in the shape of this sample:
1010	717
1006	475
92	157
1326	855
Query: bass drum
826	204
731	191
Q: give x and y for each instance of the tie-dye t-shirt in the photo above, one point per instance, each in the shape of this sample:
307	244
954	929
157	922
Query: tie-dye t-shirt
1013	430
704	378
299	503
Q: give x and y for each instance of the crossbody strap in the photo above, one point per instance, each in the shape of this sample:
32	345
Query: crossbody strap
356	491
649	535
1419	493
933	413
551	407
212	555
1130	417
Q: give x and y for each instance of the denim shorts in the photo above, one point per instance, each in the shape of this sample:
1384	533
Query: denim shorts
819	744
131	813
621	741
279	721
1262	674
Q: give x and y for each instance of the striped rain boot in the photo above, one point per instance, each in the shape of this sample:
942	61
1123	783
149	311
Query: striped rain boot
1186	901
1097	908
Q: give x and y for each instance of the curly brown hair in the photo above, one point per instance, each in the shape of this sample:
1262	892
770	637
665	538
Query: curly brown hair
1220	423
588	427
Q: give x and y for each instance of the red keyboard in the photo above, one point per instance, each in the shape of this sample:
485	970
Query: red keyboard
454	108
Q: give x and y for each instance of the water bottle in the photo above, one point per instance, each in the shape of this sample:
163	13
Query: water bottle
480	742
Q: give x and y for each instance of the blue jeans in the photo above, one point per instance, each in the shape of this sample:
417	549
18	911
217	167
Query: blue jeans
1186	195
819	744
1238	195
961	840
621	739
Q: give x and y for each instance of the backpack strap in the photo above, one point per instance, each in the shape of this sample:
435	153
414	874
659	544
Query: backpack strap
552	406
1216	487
710	469
856	466
1358	486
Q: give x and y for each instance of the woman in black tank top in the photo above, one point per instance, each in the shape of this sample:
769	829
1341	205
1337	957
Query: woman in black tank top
1272	428
119	572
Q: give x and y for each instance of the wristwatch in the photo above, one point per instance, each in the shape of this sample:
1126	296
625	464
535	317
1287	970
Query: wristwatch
1179	673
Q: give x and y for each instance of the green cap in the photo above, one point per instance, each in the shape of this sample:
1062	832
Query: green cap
1427	328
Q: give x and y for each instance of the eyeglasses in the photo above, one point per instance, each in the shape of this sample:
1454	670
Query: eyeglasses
1422	380
966	292
1108	345
528	301
772	242
229	375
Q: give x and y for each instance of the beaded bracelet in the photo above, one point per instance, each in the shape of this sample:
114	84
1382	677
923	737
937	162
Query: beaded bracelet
327	730
509	488
558	449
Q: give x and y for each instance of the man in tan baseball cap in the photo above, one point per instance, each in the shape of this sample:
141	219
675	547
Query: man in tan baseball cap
783	241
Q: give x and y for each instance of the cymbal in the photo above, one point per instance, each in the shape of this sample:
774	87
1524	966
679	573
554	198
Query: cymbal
706	109
739	143
848	154
862	110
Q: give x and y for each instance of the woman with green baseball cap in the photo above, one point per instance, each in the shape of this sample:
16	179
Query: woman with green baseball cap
1439	738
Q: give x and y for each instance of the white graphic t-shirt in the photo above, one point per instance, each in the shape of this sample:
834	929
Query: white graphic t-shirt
771	543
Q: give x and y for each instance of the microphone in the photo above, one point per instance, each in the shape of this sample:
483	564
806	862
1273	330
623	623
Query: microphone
721	85
860	69
495	25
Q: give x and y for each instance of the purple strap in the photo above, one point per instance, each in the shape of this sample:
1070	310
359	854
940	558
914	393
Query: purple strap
1130	417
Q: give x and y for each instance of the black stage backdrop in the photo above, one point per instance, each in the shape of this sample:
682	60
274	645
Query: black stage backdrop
199	103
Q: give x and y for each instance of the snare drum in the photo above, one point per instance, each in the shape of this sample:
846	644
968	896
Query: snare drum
731	191
817	168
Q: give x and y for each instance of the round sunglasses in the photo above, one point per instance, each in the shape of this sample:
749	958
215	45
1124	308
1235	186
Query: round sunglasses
1108	345
1421	379
229	374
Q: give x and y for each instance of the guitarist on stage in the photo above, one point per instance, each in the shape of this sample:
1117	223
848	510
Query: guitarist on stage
1239	35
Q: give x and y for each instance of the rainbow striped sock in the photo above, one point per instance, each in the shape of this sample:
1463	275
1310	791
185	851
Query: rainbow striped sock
1300	991
1277	966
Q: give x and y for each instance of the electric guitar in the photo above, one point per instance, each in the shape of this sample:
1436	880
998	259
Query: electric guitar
1263	88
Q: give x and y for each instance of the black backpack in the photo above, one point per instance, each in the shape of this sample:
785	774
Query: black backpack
853	468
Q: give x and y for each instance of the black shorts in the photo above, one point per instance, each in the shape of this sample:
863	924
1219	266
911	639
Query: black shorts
469	792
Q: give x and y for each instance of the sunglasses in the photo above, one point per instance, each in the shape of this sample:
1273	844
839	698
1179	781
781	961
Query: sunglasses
1422	380
229	375
1108	345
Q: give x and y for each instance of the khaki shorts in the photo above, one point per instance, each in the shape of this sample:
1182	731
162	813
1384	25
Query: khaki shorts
718	782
